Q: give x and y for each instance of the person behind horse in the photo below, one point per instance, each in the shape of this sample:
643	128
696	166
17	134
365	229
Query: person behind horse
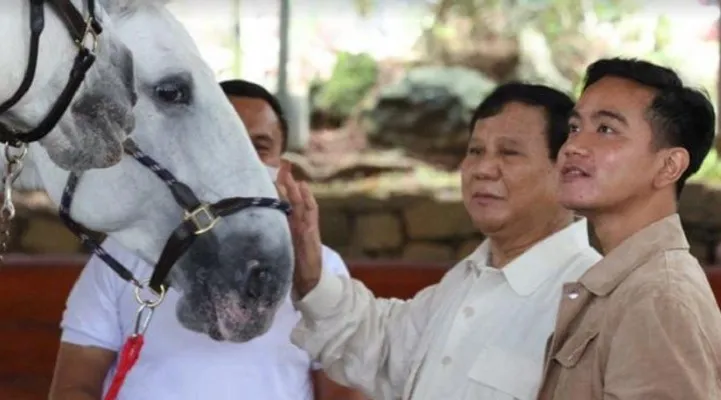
642	323
176	363
480	333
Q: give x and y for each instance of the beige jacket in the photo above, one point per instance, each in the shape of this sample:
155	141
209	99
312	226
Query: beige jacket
642	324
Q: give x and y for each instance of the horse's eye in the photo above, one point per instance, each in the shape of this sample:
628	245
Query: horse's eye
174	91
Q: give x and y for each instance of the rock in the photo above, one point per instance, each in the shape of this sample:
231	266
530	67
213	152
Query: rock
335	228
378	231
535	62
438	220
428	112
427	251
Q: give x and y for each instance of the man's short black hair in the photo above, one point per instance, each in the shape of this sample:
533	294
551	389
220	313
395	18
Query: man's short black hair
556	105
242	88
679	115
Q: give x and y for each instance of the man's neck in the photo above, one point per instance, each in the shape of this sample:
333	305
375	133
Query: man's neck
506	247
613	227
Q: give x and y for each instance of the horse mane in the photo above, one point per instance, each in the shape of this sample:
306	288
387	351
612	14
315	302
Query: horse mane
124	7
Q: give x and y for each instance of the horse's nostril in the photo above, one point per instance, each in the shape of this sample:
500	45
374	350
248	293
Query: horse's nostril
133	97
256	282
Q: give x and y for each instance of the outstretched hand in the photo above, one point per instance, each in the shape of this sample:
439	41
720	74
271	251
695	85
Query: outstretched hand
304	230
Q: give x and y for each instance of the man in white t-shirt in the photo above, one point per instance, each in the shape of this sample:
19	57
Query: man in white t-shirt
176	363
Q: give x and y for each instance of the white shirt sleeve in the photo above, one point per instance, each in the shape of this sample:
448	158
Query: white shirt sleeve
361	341
91	316
332	262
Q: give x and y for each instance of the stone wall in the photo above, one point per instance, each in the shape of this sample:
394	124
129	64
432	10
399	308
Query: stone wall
425	228
409	227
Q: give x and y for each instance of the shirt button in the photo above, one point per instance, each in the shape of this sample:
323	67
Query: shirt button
446	360
468	312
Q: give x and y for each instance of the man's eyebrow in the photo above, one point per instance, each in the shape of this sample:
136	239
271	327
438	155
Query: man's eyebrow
610	114
601	114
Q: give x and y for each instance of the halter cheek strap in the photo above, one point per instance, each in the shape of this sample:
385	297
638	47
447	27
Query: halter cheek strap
79	28
199	219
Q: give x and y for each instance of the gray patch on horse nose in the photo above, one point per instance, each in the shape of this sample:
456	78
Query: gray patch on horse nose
123	60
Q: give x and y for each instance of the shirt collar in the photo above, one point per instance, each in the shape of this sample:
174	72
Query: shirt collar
664	234
532	268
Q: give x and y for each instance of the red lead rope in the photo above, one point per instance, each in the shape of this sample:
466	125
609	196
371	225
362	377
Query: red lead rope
128	357
131	349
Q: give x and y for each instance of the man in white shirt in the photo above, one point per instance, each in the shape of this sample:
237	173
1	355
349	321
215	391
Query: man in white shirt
175	363
481	332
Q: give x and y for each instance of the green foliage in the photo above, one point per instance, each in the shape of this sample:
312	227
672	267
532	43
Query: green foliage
710	170
353	76
663	33
364	7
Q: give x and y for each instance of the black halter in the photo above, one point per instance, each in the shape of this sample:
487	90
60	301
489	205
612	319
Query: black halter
79	28
199	218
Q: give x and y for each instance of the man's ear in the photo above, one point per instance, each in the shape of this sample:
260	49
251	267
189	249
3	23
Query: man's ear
673	163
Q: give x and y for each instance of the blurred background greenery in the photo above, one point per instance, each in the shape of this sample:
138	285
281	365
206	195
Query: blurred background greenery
384	90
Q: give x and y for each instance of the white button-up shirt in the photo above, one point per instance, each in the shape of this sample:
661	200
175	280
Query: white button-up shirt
478	334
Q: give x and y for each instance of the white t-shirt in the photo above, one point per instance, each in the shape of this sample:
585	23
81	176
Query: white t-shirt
179	364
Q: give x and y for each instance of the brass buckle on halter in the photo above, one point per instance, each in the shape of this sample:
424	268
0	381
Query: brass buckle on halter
203	219
89	31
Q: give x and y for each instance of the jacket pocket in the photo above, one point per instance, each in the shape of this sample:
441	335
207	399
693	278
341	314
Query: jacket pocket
571	352
515	374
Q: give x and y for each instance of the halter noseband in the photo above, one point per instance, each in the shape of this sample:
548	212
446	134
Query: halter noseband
200	218
79	28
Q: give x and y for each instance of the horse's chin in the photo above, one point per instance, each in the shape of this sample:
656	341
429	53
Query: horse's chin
225	317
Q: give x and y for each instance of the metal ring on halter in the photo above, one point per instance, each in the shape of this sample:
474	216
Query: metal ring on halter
89	31
159	297
14	158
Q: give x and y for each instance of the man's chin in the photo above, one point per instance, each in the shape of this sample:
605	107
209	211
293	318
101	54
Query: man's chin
582	208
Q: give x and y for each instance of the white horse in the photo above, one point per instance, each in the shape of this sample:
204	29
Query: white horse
99	111
233	278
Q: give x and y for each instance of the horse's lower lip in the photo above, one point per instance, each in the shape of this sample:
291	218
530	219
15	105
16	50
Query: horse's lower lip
215	334
223	330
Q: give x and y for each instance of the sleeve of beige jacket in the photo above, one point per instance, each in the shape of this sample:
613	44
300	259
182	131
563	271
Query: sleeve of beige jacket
660	351
361	341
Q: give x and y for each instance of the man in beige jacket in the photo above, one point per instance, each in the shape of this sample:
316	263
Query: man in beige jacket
481	332
642	324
